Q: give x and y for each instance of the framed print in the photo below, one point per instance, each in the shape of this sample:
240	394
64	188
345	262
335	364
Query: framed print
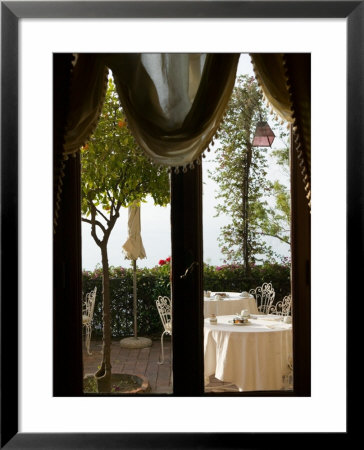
41	407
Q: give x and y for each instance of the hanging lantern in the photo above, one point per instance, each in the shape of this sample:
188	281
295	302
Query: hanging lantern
264	135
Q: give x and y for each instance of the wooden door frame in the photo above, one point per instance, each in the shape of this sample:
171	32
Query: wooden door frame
187	295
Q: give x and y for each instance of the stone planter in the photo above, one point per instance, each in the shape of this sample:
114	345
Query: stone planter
128	384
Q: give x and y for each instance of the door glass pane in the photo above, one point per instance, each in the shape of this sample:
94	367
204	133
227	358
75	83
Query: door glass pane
246	219
126	248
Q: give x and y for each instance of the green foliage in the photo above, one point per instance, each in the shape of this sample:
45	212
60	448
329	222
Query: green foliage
154	282
114	170
281	155
279	216
244	190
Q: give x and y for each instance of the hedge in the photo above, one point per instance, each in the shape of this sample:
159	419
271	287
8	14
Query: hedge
150	284
154	282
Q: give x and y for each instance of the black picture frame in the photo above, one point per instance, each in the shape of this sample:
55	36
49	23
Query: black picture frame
11	12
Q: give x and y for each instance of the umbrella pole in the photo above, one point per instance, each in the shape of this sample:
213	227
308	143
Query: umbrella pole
135	341
135	299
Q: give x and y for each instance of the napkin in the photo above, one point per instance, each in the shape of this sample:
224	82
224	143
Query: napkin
270	318
275	326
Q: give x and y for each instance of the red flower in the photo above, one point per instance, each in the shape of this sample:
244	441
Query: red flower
168	259
161	262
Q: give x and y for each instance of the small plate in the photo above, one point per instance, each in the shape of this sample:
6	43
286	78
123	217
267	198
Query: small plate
239	324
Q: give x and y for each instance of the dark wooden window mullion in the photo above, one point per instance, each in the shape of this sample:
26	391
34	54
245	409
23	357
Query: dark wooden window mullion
187	298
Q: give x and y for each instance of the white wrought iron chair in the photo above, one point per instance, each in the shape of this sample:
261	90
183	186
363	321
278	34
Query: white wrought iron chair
264	297
164	306
283	307
88	307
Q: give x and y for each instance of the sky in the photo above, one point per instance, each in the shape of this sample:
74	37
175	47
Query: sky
155	220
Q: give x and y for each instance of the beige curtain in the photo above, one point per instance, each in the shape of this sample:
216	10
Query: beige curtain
285	80
174	103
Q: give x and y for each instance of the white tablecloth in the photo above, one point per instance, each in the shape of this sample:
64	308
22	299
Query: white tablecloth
231	304
254	357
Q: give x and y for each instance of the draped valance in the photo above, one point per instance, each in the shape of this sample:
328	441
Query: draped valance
173	103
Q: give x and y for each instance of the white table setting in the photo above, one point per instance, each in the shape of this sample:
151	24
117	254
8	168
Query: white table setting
225	303
254	353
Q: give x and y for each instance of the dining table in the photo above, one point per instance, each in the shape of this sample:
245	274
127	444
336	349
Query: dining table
254	356
229	303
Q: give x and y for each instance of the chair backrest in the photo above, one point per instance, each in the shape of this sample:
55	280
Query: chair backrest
89	303
264	296
164	306
286	305
283	307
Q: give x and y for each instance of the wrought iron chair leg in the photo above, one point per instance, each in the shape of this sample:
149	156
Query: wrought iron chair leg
162	361
88	340
87	314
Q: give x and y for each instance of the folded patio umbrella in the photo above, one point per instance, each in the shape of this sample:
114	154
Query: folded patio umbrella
134	249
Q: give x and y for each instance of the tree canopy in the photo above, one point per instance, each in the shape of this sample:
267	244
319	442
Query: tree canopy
245	192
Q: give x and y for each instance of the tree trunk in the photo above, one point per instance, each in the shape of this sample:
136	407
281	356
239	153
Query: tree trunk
246	253
103	375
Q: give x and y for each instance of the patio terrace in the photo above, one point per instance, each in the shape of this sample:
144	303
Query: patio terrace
142	362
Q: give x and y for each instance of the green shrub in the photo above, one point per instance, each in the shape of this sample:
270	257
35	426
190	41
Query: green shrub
231	278
154	282
150	284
